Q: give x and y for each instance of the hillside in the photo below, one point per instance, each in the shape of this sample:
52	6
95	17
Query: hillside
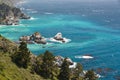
8	69
18	63
7	46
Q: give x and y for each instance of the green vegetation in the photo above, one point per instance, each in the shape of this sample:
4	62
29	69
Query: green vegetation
20	64
47	65
9	71
22	56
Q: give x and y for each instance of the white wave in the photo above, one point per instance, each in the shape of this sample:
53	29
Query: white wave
73	66
65	40
11	25
34	11
32	18
84	57
99	76
48	13
29	9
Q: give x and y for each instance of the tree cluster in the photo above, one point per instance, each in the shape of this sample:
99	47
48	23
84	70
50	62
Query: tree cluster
45	66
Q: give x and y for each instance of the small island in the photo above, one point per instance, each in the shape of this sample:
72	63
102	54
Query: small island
59	38
34	38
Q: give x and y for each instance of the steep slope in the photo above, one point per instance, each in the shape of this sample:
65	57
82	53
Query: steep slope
9	71
7	46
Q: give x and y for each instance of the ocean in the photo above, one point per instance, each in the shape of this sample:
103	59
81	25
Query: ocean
92	26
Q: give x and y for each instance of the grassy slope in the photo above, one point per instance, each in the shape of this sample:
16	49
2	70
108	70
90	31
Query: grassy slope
7	46
8	70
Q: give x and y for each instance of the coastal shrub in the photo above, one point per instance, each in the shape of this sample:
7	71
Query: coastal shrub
22	57
64	71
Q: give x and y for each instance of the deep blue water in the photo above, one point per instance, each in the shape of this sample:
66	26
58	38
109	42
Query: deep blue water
93	27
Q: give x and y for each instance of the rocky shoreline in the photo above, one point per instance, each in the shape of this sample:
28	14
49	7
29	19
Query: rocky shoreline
10	15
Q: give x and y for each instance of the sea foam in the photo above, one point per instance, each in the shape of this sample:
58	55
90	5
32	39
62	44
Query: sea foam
48	13
84	57
65	39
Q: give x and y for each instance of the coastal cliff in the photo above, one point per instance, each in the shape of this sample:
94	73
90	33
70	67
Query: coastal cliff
10	15
10	2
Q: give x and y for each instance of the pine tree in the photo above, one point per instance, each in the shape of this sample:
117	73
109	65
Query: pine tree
22	57
65	71
48	65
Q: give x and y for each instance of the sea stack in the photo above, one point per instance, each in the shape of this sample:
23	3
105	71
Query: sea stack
59	37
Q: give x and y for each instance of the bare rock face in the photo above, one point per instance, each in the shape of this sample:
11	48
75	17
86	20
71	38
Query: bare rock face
58	36
11	15
37	35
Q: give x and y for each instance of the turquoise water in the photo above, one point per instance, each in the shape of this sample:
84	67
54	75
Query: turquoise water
92	27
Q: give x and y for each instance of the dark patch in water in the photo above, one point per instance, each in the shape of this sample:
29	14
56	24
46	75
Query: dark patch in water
104	71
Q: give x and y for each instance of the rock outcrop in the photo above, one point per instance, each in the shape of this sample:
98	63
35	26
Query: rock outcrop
59	60
34	38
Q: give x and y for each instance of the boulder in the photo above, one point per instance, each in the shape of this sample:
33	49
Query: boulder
58	36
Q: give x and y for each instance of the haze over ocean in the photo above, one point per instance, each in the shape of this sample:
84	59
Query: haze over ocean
92	26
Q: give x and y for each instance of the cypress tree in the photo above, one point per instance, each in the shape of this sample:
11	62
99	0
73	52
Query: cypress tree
48	65
22	57
64	71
